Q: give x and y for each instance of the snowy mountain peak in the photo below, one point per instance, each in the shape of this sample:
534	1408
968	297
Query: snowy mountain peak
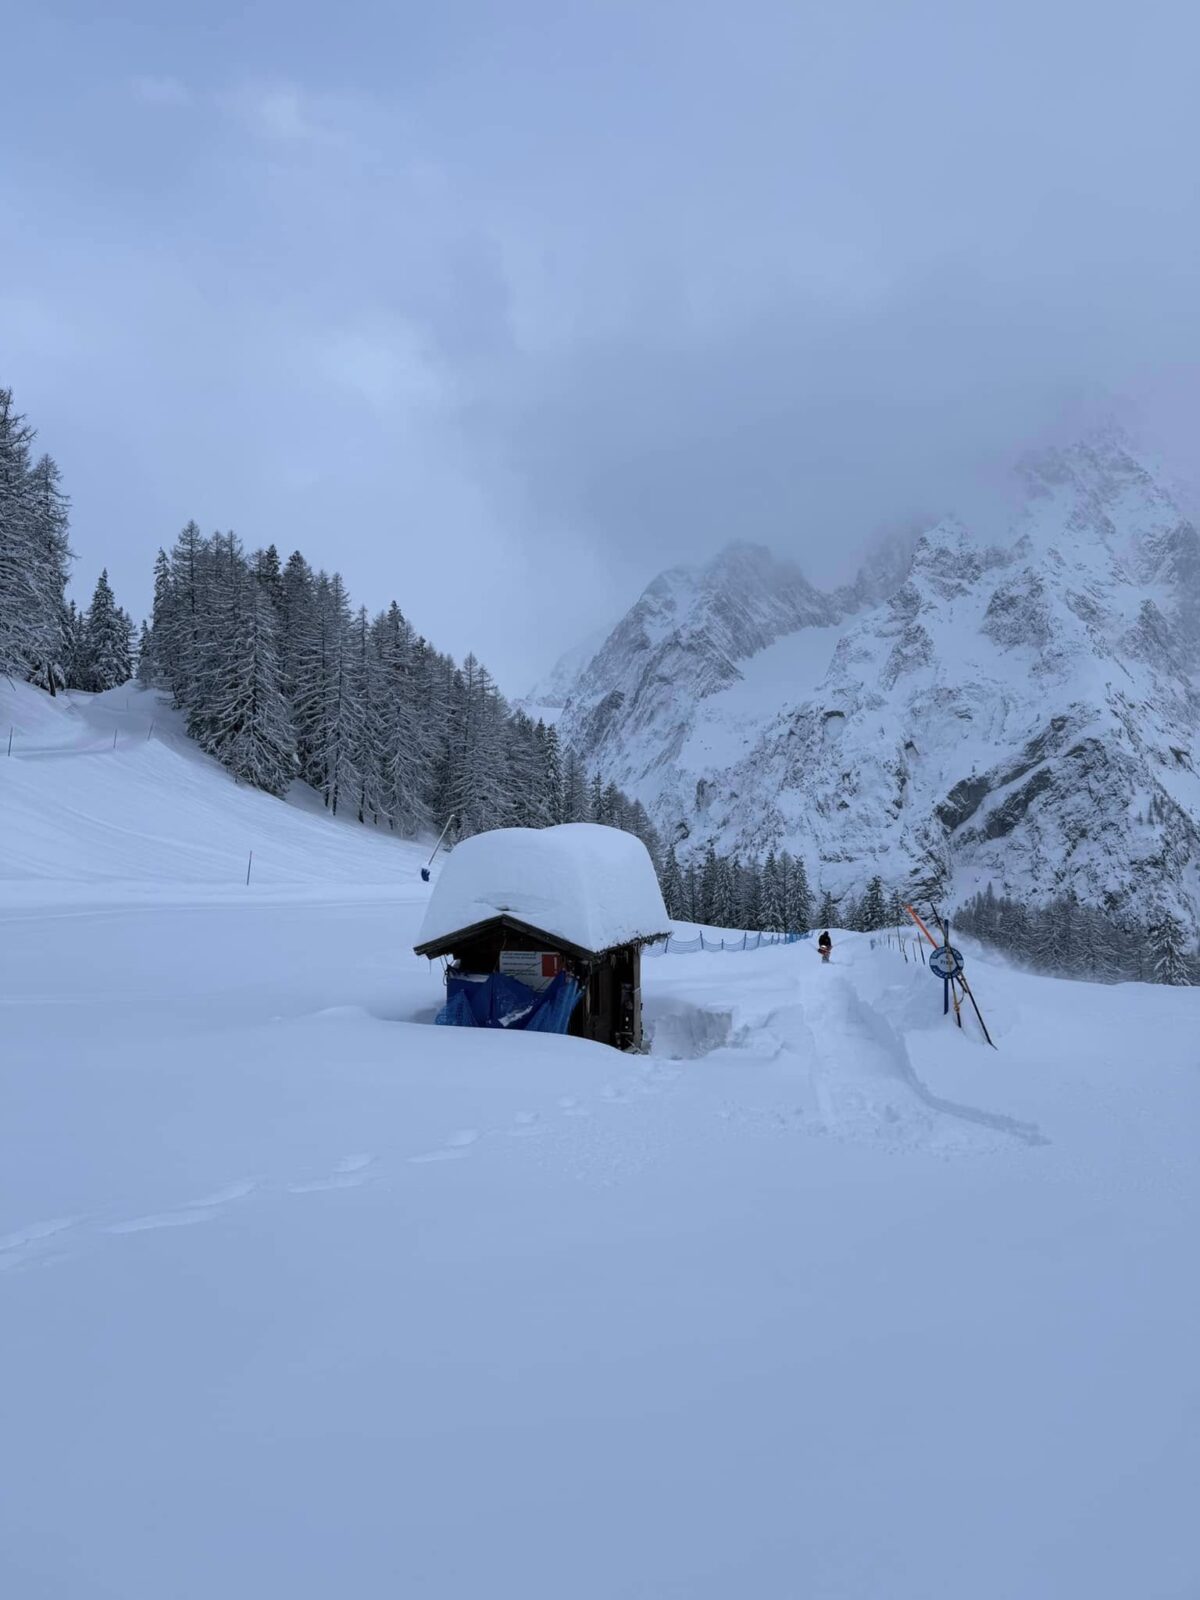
968	710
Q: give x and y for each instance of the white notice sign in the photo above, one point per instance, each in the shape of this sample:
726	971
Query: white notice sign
535	968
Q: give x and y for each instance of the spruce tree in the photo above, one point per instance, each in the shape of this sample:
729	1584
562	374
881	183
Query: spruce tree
596	799
575	796
709	885
673	888
20	588
251	731
106	647
873	910
799	902
553	772
1170	952
50	555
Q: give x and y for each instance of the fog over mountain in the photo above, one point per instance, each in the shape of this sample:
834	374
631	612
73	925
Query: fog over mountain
1020	711
513	308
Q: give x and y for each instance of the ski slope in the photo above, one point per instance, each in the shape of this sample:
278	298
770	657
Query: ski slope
302	1296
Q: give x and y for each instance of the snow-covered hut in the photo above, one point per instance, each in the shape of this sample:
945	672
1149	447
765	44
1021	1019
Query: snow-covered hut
570	906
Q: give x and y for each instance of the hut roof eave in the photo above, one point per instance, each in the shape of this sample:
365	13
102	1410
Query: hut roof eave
448	942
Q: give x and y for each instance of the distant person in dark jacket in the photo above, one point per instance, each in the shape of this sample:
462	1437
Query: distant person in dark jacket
825	945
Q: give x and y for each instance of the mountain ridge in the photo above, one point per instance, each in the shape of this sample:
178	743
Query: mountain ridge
1007	710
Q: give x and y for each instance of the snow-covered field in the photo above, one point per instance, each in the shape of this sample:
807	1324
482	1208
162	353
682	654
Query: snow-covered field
300	1296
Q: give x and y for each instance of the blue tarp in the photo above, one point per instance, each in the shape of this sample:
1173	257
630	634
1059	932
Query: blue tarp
498	1001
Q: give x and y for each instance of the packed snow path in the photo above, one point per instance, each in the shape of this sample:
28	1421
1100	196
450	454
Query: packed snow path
301	1295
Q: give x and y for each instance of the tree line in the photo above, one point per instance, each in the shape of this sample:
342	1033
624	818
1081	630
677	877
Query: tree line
44	639
1065	938
769	895
281	677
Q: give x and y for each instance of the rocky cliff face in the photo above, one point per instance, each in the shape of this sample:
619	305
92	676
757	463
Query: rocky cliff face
1024	713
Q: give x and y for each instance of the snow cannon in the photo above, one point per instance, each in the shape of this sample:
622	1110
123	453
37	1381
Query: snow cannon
436	848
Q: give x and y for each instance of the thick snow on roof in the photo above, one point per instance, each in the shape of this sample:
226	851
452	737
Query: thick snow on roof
591	886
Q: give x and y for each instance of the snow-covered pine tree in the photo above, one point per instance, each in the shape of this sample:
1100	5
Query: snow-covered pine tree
106	644
476	789
405	756
270	574
142	668
753	908
521	799
872	914
637	821
339	736
370	731
692	894
673	888
180	653
614	805
799	916
774	894
575	793
219	571
827	916
250	729
552	780
1169	945
50	555
710	874
73	645
20	591
596	812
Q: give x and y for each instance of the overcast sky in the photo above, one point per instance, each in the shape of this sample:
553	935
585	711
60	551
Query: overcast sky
499	308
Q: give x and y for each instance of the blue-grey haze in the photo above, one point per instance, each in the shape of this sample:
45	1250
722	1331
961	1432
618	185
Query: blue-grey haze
501	308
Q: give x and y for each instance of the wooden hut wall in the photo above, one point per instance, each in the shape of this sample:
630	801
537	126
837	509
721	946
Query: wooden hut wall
599	1014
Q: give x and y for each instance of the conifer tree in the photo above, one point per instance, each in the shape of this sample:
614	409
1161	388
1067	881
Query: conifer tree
106	647
1169	944
872	914
672	887
20	590
553	772
251	732
799	917
575	796
49	554
709	885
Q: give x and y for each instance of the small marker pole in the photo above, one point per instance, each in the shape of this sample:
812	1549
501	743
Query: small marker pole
150	734
10	734
249	864
114	738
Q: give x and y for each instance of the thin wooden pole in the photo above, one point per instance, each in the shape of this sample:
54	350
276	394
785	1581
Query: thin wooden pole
249	864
